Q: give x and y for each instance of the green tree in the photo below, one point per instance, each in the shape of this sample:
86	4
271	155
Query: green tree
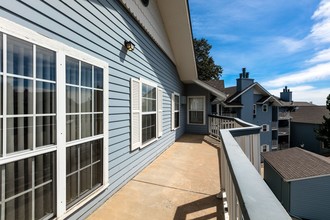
323	133
206	68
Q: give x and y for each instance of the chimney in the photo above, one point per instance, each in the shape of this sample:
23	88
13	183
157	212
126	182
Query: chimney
286	95
243	81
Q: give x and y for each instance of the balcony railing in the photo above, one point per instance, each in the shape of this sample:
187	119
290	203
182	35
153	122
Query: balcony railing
283	130
284	115
248	196
274	125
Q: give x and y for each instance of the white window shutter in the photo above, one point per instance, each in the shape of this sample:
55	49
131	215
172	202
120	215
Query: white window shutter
135	114
160	111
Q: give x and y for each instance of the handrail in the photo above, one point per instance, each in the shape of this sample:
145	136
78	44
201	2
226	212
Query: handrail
248	196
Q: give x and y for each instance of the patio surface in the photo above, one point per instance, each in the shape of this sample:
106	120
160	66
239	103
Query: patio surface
182	183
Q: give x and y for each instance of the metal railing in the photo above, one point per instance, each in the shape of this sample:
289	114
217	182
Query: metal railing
284	115
274	125
248	196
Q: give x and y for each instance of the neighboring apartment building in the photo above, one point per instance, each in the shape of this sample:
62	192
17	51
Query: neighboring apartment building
249	101
305	119
91	92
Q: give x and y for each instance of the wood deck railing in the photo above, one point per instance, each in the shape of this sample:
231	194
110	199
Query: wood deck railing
248	196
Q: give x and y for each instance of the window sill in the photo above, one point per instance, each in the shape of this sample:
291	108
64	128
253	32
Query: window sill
148	143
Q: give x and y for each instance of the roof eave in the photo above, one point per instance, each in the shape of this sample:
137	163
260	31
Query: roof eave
176	18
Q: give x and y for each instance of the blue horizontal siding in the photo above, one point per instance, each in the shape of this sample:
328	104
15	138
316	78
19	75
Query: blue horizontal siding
99	28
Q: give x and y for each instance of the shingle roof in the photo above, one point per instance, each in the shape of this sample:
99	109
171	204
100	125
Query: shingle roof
296	163
310	114
216	83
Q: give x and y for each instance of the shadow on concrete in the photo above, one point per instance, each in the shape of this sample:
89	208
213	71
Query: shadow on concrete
191	210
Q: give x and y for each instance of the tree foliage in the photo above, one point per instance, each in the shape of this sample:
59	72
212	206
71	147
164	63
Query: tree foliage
323	133
206	68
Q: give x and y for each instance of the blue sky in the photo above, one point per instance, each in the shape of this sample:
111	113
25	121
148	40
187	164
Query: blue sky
281	43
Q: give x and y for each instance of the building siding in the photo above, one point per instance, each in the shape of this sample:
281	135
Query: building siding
99	28
310	198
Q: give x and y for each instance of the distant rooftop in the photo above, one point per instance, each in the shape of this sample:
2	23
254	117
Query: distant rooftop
310	114
296	163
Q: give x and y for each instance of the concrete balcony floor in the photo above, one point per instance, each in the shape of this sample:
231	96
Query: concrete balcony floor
182	183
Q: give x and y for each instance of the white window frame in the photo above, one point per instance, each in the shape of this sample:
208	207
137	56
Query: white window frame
62	50
175	111
265	108
204	109
159	93
264	126
264	146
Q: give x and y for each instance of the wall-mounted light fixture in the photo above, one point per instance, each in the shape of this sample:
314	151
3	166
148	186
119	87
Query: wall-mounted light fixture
129	45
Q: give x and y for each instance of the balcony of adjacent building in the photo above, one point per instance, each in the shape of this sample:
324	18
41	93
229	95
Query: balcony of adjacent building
201	177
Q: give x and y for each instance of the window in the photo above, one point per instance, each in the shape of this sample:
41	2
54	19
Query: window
265	108
84	122
175	111
264	148
51	120
146	120
254	110
264	128
196	110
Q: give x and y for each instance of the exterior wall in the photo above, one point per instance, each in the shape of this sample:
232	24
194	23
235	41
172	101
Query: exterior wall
195	90
150	18
248	99
280	188
310	198
303	134
99	28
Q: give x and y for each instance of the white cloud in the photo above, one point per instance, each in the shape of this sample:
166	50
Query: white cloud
321	30
292	45
312	74
306	93
321	56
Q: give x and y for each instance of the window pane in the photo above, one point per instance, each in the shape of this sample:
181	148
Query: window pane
98	77
19	96
148	91
1	52
20	207
177	119
86	126
196	117
148	105
71	188
46	64
98	101
44	201
44	168
196	104
19	57
177	102
1	130
86	100
19	134
98	124
72	99
1	95
71	159
85	154
46	98
46	130
97	174
148	127
97	150
72	71
86	74
85	180
18	177
72	127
